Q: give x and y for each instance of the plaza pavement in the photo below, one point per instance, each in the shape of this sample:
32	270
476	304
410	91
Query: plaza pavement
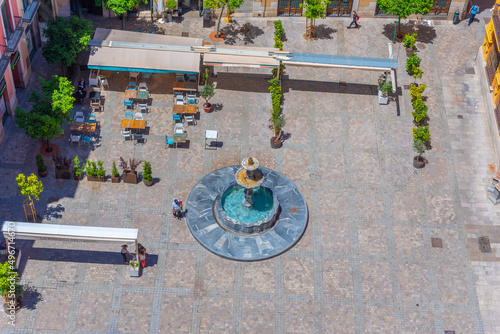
365	263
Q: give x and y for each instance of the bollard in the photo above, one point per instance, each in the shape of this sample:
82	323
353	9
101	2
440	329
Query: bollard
456	17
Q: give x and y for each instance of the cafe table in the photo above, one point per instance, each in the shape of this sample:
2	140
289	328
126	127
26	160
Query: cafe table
130	94
82	126
185	109
186	86
133	124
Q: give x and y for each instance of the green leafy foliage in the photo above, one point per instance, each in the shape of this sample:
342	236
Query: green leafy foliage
386	87
277	119
120	7
114	170
40	164
417	91
9	277
409	40
314	9
50	110
146	173
67	36
77	167
30	186
417	72
207	91
222	4
419	147
421	133
279	32
171	4
419	109
95	168
412	62
404	8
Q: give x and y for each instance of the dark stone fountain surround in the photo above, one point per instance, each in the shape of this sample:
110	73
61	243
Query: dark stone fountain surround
287	231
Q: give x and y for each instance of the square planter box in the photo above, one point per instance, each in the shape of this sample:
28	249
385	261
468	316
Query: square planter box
130	177
63	173
133	271
95	178
382	99
78	177
115	179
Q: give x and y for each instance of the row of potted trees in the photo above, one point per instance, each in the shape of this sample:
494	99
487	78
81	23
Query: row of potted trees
277	119
95	170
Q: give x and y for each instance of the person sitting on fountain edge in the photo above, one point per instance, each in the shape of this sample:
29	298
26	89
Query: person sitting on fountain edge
176	210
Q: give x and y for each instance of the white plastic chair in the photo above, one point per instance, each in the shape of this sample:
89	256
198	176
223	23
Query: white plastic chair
104	82
178	128
138	116
74	139
189	119
179	100
79	117
143	87
126	134
143	107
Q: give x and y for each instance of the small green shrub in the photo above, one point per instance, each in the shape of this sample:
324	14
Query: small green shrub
40	163
409	40
95	168
416	91
207	92
146	173
387	86
114	170
419	109
419	147
412	63
77	168
421	133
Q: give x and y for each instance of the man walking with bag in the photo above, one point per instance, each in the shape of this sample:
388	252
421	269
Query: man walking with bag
355	19
473	11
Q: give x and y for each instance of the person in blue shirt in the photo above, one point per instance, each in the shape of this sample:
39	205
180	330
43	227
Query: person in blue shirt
473	11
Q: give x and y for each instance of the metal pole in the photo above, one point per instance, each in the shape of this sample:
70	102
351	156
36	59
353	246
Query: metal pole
394	37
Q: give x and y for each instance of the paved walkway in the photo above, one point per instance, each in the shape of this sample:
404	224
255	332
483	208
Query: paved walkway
365	263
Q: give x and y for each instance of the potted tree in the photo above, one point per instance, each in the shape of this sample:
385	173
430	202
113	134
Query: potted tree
10	288
30	187
278	122
146	174
384	87
129	170
95	171
170	5
413	66
419	112
207	92
422	134
115	176
419	160
62	165
409	42
77	169
203	79
40	164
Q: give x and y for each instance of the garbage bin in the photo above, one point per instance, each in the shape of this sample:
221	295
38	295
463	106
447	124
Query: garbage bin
456	17
206	18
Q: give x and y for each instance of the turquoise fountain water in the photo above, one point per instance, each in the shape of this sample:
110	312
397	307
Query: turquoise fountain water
234	197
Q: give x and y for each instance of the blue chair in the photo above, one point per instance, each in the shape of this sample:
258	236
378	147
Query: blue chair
191	101
91	118
138	30
169	140
86	139
132	85
177	118
151	32
129	115
128	103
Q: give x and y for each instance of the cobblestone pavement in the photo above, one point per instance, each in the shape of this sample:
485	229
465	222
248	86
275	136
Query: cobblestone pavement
365	263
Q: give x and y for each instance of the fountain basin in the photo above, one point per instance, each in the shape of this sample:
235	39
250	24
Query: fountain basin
231	214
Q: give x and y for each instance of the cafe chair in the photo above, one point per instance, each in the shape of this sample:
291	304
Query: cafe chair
126	134
79	117
169	141
177	118
86	139
91	118
129	115
143	87
74	139
132	85
180	78
104	82
138	116
179	100
178	128
189	119
192	78
128	103
137	137
143	107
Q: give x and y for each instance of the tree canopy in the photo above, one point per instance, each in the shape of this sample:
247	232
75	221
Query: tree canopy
404	8
221	4
67	36
50	110
314	9
120	7
30	186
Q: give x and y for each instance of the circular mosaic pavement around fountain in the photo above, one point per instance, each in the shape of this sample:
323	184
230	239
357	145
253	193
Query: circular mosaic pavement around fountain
283	236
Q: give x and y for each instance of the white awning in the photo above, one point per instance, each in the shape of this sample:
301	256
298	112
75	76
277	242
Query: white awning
32	231
240	61
111	35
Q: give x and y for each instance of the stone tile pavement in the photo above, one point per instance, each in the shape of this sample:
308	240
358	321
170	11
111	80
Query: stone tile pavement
365	264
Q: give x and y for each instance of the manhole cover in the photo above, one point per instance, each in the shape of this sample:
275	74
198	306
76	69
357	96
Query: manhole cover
484	244
437	242
406	86
185	34
470	70
460	116
293	210
420	46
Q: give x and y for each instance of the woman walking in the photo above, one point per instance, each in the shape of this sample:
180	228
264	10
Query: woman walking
355	19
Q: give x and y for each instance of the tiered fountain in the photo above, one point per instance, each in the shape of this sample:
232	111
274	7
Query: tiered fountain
246	213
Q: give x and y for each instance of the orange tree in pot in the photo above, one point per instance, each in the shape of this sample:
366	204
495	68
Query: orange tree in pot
207	92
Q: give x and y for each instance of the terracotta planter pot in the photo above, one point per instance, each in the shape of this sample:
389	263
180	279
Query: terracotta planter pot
78	177
44	174
207	107
417	163
409	52
115	179
276	142
96	178
63	173
148	184
129	177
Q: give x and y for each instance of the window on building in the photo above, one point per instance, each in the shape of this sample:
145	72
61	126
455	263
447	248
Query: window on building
7	23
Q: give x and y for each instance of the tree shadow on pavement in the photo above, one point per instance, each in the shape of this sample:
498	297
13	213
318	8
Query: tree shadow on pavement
246	33
324	32
425	34
31	297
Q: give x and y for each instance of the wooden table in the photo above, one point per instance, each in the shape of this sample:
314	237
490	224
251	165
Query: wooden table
133	124
142	95
184	109
130	94
83	126
187	86
180	139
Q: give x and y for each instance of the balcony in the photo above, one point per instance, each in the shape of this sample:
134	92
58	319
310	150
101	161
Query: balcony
14	39
30	12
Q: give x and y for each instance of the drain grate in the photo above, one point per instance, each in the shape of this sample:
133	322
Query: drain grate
406	86
293	210
437	242
449	332
470	70
185	34
484	244
460	116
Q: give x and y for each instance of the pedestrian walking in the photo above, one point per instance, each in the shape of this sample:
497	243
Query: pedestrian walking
355	19
473	11
176	210
142	258
124	253
141	248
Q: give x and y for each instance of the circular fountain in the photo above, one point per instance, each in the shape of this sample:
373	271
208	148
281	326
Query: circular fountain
247	212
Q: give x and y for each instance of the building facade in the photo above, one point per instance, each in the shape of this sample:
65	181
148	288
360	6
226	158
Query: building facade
20	38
